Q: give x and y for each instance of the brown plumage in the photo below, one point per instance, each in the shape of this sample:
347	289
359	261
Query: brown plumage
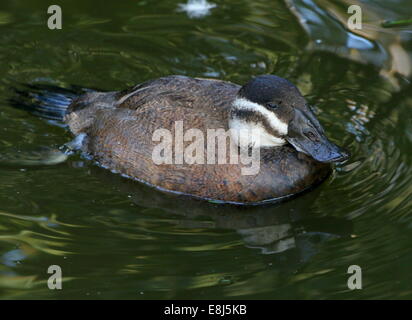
120	125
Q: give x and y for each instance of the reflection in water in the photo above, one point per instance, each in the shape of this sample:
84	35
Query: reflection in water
12	257
41	156
197	8
326	25
273	228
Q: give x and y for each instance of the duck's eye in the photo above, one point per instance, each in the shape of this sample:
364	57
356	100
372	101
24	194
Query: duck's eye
311	136
272	106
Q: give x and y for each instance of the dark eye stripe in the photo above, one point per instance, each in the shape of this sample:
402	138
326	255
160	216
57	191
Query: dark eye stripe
252	116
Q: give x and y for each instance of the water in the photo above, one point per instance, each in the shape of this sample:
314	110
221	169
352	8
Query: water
114	238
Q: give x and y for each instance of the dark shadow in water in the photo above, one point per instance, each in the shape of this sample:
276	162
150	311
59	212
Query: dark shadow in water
284	228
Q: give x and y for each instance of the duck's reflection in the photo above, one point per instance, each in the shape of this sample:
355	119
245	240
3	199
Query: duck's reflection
272	228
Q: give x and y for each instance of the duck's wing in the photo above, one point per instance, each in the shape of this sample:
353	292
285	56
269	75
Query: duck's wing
178	91
155	100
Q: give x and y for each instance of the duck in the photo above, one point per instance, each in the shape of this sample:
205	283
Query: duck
158	133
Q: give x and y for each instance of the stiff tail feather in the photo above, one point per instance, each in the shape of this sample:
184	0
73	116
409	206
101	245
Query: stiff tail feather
44	100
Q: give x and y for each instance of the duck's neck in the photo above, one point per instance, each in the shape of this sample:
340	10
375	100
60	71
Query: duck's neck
251	124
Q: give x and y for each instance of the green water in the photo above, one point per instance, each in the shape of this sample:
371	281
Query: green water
114	238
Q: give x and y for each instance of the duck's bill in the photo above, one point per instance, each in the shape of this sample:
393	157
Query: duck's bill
306	135
322	151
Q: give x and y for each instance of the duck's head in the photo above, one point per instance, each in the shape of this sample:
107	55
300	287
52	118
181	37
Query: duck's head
274	108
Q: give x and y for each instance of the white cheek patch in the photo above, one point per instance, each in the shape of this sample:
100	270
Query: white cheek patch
254	133
274	122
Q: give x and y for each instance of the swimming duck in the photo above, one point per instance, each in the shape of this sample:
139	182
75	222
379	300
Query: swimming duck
121	132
